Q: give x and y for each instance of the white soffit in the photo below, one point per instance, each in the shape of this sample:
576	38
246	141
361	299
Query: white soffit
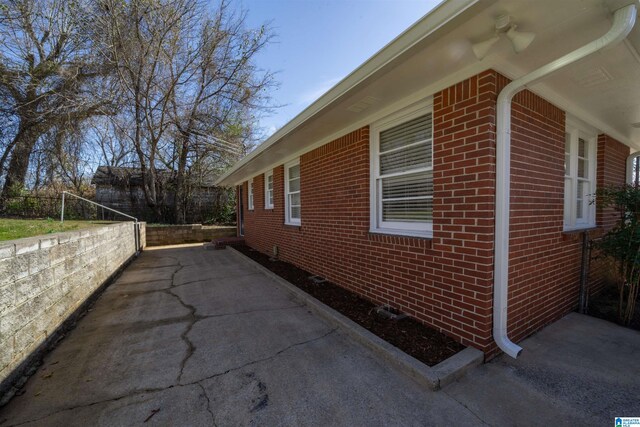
602	90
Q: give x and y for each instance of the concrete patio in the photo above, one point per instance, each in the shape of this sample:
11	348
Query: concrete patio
195	338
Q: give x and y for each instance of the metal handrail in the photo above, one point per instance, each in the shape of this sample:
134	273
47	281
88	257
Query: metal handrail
136	224
93	203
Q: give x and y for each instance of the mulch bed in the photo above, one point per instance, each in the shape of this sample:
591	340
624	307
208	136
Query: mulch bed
423	343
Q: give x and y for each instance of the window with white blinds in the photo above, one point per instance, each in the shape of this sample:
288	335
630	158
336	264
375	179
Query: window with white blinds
250	195
268	190
292	193
402	175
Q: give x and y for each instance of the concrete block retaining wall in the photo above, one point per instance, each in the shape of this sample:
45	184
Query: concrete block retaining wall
191	233
143	234
44	280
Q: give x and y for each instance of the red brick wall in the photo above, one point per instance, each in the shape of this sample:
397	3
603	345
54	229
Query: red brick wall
612	161
544	263
544	273
612	158
447	281
464	188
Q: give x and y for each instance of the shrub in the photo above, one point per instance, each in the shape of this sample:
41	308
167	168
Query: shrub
622	244
224	215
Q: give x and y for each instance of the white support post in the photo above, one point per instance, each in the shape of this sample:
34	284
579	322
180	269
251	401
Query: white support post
62	210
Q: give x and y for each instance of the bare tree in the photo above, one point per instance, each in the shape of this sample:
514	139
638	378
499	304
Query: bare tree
50	75
217	96
175	80
138	36
191	88
67	157
110	144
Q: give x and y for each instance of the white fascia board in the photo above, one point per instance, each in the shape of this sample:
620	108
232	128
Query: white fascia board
434	20
423	95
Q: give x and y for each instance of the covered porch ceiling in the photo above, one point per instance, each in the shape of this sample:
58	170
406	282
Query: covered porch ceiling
603	90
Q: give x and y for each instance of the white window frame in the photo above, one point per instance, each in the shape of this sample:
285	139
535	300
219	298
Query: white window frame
377	225
250	205
287	205
575	130
268	194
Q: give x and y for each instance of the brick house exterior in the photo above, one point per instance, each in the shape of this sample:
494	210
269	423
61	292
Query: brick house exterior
445	281
442	275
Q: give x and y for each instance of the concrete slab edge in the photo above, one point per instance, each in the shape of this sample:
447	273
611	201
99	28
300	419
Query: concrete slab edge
434	377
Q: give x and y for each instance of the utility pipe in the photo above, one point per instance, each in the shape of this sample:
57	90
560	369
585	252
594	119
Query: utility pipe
623	21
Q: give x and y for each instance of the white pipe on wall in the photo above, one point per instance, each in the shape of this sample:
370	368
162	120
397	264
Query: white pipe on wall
623	21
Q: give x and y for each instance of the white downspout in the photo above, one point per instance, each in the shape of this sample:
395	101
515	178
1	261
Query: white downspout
623	21
630	160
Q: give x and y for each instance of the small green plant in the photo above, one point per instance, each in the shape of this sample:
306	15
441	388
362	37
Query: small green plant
622	244
225	214
22	205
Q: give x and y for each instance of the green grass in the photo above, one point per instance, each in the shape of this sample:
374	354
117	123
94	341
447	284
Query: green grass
18	228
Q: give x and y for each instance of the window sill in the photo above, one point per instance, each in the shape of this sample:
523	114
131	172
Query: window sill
574	234
427	235
576	230
268	208
293	224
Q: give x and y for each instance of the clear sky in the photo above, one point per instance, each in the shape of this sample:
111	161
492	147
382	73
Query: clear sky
319	42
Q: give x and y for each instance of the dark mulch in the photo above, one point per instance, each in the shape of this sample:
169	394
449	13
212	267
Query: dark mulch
604	305
425	344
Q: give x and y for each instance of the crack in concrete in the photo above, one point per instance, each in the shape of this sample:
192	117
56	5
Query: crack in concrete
153	267
197	382
215	278
139	282
257	310
134	293
99	402
466	407
206	396
141	326
266	359
191	317
194	318
144	325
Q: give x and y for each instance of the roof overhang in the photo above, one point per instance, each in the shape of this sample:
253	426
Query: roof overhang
435	53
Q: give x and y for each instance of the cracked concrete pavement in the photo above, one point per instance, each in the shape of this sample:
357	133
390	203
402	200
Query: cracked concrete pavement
191	337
